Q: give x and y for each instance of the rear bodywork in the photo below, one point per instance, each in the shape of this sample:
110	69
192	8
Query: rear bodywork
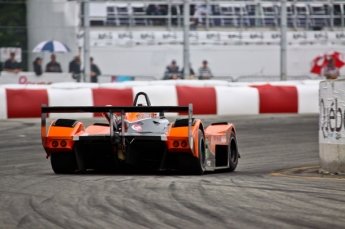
137	136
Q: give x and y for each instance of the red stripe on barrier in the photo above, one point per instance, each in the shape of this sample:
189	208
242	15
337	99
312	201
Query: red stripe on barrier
278	99
25	103
114	97
203	99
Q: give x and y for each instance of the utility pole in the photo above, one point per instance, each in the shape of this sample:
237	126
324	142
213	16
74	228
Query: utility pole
186	22
87	70
283	50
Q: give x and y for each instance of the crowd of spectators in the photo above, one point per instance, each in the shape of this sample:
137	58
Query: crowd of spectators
12	66
172	72
196	11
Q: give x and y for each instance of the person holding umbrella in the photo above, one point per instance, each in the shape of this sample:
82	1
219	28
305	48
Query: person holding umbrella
53	66
52	46
330	71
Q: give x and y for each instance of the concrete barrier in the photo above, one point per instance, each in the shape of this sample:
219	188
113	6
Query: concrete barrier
214	99
332	126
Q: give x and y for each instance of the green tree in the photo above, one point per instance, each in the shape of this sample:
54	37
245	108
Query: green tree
13	29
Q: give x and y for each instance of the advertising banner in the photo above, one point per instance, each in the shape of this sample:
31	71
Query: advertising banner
49	78
31	78
104	38
332	126
332	112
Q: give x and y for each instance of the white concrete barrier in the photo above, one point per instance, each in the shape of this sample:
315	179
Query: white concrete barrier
332	126
3	104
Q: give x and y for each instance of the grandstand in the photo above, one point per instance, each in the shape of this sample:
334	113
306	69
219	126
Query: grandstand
314	15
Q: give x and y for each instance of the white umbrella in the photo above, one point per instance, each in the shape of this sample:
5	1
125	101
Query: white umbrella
51	46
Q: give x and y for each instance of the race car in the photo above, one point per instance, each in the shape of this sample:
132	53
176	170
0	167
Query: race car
138	136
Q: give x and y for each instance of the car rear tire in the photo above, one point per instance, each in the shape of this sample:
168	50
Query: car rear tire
63	163
188	164
201	160
233	153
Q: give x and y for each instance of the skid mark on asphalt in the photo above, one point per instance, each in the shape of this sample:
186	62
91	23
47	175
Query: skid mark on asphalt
290	173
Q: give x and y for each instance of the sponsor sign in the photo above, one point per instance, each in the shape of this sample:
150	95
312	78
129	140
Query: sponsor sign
31	78
332	112
46	78
99	38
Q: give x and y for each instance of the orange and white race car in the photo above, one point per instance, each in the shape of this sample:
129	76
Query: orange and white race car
138	136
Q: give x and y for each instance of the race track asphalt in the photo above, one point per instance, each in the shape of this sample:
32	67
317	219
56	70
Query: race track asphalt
32	196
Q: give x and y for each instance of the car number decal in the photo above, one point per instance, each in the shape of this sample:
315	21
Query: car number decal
137	127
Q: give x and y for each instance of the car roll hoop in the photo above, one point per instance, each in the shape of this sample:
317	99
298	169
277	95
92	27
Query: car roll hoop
146	98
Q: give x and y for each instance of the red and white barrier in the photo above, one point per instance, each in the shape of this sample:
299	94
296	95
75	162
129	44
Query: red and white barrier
25	102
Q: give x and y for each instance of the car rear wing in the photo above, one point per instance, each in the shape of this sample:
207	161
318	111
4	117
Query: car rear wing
120	109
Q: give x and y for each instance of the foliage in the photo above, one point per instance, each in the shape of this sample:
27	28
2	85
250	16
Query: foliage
13	30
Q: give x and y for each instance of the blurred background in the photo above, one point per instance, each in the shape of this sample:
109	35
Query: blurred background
240	40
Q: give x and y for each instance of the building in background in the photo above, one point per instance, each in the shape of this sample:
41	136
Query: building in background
238	38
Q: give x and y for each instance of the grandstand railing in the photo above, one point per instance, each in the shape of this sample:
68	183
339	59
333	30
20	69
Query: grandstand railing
238	14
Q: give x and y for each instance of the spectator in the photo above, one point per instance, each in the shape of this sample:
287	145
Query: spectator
330	70
38	66
197	16
11	65
95	72
74	68
53	66
191	72
156	10
172	71
205	71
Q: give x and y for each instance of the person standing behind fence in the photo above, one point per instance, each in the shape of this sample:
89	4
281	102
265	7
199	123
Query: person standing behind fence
11	65
191	72
74	68
53	66
205	72
172	72
37	64
95	72
330	70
